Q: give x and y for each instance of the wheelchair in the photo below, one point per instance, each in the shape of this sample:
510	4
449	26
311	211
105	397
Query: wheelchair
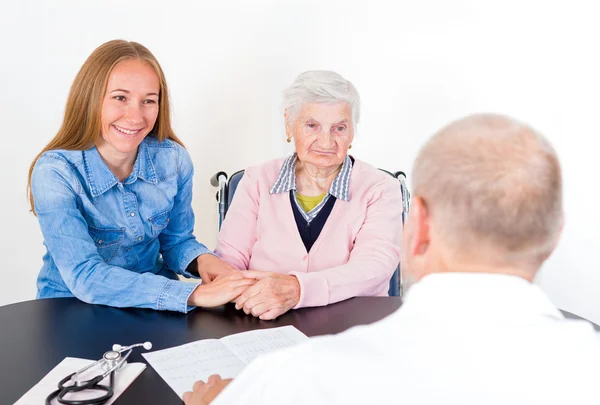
228	185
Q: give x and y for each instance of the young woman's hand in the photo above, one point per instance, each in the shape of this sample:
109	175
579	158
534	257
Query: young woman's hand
210	266
223	289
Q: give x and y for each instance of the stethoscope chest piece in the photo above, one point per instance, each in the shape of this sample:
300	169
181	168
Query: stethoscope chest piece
111	360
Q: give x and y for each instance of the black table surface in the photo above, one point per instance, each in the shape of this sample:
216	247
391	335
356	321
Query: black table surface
37	335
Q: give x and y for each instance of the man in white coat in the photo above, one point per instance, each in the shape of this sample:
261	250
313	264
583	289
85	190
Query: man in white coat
486	213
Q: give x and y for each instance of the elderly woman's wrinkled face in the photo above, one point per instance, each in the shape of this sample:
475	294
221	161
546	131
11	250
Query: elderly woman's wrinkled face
322	133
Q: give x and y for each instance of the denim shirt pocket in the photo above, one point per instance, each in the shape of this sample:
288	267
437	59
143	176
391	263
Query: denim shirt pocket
159	221
107	241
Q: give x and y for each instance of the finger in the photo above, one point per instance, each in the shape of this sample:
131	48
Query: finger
203	390
232	280
215	390
198	385
193	398
249	293
240	283
272	314
239	301
241	288
256	274
233	275
252	302
213	379
231	294
261	289
206	279
260	309
237	291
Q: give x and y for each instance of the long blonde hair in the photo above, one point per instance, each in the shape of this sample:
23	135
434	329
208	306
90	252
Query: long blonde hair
81	126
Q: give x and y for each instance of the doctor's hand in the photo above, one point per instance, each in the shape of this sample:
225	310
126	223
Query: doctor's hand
273	294
223	289
210	266
204	392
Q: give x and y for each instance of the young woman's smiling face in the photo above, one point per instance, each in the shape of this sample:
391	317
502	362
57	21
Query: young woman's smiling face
129	108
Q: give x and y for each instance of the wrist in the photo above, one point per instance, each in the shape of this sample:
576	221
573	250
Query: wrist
192	268
204	260
297	289
196	296
192	298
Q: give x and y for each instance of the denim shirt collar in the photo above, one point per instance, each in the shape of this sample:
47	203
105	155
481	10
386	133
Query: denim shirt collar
100	178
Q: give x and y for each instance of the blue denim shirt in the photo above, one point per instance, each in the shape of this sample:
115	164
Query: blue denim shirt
105	238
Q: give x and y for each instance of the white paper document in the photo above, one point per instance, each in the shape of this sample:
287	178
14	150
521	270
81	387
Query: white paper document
182	366
123	378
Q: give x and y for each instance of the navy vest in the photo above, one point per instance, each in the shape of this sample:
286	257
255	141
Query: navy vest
309	232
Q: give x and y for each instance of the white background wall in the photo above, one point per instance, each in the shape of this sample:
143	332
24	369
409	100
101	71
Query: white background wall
416	64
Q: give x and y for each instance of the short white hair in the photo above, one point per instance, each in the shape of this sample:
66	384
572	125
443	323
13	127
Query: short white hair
320	86
491	181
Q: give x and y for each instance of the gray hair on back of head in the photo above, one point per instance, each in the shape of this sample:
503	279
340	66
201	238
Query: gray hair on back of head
491	181
320	86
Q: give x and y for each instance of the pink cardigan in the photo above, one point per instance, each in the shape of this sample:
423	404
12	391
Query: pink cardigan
355	254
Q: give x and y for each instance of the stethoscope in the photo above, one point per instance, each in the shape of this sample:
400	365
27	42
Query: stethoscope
113	360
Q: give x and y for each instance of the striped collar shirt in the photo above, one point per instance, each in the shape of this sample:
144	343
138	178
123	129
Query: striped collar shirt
286	181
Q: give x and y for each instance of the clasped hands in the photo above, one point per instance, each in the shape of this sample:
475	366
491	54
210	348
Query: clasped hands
265	295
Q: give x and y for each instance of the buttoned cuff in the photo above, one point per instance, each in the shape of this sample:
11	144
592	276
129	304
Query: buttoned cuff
314	290
174	296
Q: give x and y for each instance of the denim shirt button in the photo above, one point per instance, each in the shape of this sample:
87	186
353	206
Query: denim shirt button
132	214
100	241
139	238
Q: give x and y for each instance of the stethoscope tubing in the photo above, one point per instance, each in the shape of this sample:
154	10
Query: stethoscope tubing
93	384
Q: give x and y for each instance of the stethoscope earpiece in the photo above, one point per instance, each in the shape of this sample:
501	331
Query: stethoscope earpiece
119	348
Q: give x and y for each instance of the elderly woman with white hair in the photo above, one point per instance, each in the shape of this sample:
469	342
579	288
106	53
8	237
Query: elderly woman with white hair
319	226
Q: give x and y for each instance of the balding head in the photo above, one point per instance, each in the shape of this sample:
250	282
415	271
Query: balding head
491	187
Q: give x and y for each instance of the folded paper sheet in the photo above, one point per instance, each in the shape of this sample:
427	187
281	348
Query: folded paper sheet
37	395
182	366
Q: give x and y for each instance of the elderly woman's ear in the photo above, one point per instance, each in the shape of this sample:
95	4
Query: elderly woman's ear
288	125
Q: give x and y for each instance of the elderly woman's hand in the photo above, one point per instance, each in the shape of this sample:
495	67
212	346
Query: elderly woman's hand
272	295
